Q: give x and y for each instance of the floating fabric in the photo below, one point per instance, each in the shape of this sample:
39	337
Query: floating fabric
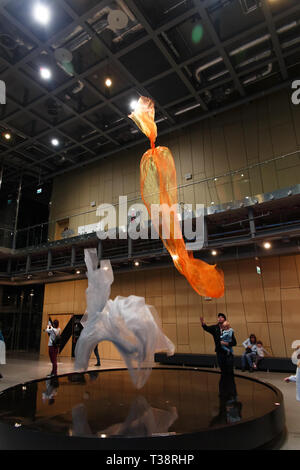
128	322
2	352
159	186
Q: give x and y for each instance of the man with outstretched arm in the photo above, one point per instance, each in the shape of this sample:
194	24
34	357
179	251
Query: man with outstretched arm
225	360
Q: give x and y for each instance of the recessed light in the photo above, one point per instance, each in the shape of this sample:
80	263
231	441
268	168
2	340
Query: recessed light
41	13
55	142
45	73
108	82
78	271
136	263
267	245
214	252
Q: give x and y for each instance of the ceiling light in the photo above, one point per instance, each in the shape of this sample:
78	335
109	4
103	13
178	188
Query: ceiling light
136	263
267	245
45	73
214	252
41	13
77	272
108	82
7	135
55	142
133	104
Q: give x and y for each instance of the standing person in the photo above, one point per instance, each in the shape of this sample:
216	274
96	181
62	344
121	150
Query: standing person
96	352
225	361
53	345
250	352
2	350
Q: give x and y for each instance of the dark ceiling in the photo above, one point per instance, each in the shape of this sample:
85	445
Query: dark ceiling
193	57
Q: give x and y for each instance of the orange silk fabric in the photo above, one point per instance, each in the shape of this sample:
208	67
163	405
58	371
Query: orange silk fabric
159	186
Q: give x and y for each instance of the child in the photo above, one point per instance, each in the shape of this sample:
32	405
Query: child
226	336
260	353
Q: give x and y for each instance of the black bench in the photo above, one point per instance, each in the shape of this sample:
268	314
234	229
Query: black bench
272	364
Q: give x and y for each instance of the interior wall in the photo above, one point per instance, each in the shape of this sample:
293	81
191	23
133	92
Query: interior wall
253	133
266	304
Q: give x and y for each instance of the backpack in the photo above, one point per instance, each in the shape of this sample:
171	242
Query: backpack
56	341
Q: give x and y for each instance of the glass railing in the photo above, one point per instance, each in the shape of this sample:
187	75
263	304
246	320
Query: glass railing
238	185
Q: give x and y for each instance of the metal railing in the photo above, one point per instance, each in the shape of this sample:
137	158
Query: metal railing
224	189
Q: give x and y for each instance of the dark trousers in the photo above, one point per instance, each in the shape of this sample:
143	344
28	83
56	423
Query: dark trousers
53	351
227	386
96	352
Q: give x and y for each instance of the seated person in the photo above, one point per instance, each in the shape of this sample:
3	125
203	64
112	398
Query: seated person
260	354
250	352
226	336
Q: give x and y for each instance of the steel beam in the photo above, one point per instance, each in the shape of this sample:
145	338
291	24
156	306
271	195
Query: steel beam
275	41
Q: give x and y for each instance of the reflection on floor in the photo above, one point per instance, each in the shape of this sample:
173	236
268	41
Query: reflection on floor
23	367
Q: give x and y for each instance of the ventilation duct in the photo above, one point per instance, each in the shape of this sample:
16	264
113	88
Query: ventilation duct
249	45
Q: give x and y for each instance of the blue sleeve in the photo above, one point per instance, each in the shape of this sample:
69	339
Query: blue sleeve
1	336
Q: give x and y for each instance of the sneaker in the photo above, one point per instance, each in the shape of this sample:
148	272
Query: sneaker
98	364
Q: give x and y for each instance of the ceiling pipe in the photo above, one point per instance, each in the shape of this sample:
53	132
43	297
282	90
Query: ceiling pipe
257	76
249	45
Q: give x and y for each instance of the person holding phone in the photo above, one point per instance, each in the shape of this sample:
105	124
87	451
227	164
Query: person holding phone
53	331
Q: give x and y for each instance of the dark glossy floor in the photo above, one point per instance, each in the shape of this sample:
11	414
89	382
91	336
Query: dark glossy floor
22	367
105	403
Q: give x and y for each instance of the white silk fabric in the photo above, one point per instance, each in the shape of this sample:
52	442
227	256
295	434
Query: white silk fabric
2	352
128	322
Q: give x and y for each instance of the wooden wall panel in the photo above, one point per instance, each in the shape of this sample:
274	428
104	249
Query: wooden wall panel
278	347
252	292
290	314
271	282
288	272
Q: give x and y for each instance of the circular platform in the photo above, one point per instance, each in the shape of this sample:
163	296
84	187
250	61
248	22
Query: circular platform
177	409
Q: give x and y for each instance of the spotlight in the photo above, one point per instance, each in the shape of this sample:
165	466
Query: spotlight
7	135
214	252
108	82
41	13
133	104
136	263
55	142
78	271
45	73
267	245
